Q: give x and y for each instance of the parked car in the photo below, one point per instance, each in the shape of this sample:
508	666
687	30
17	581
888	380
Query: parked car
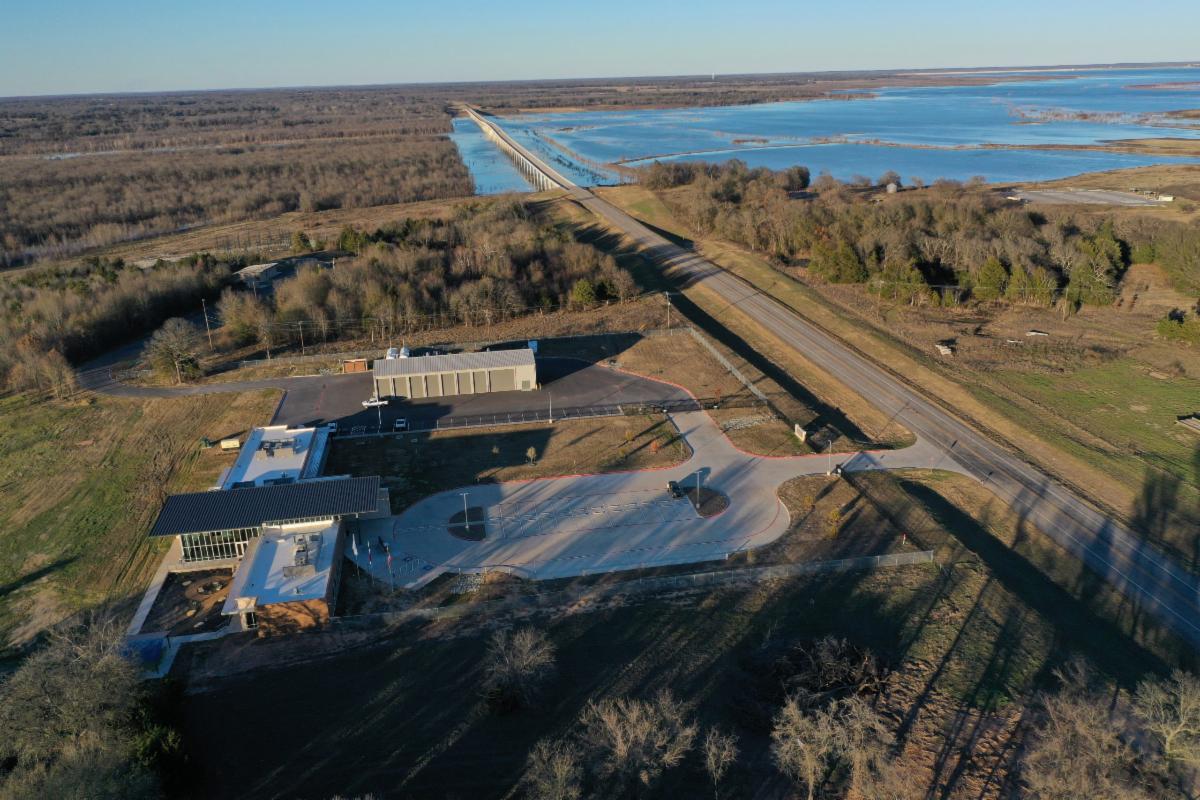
401	424
674	489
331	427
374	402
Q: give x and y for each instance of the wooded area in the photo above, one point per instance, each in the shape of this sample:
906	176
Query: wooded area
83	172
943	244
487	261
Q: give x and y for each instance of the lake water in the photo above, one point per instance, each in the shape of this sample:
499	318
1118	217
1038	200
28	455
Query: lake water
491	169
928	132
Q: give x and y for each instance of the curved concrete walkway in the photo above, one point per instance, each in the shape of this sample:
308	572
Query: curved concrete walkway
577	525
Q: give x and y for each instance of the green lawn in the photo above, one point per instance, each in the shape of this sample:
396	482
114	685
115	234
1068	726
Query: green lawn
1129	430
82	480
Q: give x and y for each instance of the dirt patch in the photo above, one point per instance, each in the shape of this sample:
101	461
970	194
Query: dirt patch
707	502
473	530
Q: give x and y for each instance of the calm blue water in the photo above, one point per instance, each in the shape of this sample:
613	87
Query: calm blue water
491	169
933	132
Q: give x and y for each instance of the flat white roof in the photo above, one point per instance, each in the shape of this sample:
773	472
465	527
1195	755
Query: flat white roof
284	565
454	362
277	453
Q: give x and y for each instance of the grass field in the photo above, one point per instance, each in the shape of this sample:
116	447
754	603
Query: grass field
1045	427
967	642
414	465
82	480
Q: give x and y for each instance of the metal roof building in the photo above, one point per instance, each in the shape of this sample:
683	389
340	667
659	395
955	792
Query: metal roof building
455	374
217	525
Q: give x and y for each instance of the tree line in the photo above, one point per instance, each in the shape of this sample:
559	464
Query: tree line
53	317
945	244
85	172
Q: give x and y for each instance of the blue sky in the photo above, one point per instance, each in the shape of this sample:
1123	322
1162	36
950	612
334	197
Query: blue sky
67	46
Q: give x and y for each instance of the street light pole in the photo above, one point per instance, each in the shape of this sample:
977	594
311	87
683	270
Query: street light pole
551	406
204	308
466	515
668	296
829	450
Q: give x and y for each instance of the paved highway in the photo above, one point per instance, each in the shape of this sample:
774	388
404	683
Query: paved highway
1141	572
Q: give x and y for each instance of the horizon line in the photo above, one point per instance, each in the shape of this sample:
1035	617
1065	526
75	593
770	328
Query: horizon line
898	71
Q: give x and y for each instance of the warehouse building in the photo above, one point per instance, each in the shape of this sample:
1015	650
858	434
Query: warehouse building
420	377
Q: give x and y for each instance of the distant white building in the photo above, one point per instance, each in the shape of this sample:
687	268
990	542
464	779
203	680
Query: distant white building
258	276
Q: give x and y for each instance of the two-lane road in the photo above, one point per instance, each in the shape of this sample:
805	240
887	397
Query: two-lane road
1147	576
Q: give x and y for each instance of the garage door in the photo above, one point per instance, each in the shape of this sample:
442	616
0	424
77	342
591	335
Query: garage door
433	385
448	385
481	384
503	380
464	383
417	384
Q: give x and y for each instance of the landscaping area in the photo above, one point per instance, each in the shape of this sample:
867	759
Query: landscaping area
83	479
414	465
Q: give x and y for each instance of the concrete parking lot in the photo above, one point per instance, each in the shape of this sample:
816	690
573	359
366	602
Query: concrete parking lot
577	525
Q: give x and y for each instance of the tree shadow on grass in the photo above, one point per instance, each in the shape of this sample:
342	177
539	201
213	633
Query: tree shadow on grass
36	575
1077	627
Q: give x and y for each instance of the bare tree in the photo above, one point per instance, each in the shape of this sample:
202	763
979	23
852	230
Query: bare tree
553	772
845	744
635	741
803	744
1170	711
79	688
174	348
720	751
516	667
85	770
1077	750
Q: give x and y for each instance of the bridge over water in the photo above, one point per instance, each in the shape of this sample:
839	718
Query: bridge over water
539	174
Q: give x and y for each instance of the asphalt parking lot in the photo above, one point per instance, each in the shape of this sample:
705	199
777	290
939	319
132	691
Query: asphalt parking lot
565	384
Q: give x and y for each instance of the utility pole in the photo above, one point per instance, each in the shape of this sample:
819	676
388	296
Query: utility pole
829	450
207	327
301	324
668	296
